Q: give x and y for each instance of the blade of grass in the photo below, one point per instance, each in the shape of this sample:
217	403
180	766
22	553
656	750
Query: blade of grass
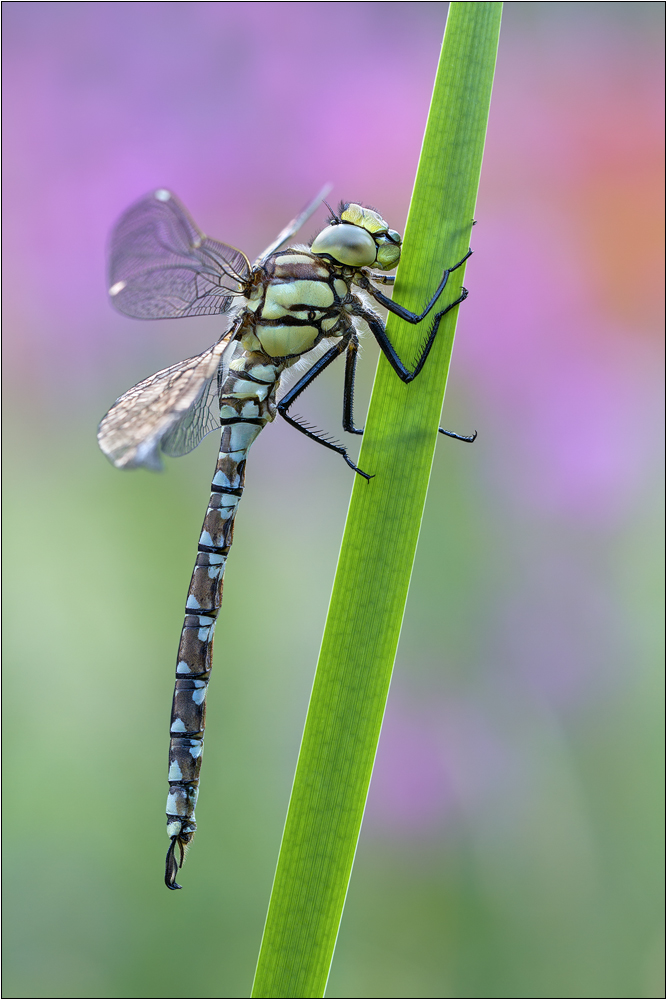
371	585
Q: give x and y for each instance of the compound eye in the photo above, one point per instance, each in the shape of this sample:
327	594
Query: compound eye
347	244
388	257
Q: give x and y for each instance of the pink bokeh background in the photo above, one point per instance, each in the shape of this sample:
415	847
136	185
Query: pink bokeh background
516	776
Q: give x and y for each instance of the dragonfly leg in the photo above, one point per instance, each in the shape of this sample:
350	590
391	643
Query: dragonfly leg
410	317
468	438
348	398
348	390
303	383
377	328
382	279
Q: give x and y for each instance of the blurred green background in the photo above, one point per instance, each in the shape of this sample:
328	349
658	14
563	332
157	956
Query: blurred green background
512	840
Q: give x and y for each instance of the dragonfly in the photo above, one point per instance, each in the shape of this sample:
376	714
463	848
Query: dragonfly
294	304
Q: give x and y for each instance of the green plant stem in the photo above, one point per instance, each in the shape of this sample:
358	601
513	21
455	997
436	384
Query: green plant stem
371	585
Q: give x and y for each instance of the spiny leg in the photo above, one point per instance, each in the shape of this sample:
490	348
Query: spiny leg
398	310
378	330
348	389
303	383
348	397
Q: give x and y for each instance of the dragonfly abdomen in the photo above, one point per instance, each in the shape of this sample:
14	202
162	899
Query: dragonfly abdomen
195	651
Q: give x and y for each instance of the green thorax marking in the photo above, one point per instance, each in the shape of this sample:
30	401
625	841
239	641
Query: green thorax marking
297	299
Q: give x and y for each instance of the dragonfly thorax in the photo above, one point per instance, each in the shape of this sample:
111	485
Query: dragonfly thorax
297	300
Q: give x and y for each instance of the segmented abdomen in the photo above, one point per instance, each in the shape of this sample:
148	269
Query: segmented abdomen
193	667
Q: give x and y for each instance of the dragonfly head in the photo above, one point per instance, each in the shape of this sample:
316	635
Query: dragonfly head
359	237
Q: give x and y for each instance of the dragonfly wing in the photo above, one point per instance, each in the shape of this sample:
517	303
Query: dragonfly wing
199	420
297	222
161	266
172	408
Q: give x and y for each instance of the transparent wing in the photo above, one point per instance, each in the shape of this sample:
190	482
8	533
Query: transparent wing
172	410
197	421
292	227
161	266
